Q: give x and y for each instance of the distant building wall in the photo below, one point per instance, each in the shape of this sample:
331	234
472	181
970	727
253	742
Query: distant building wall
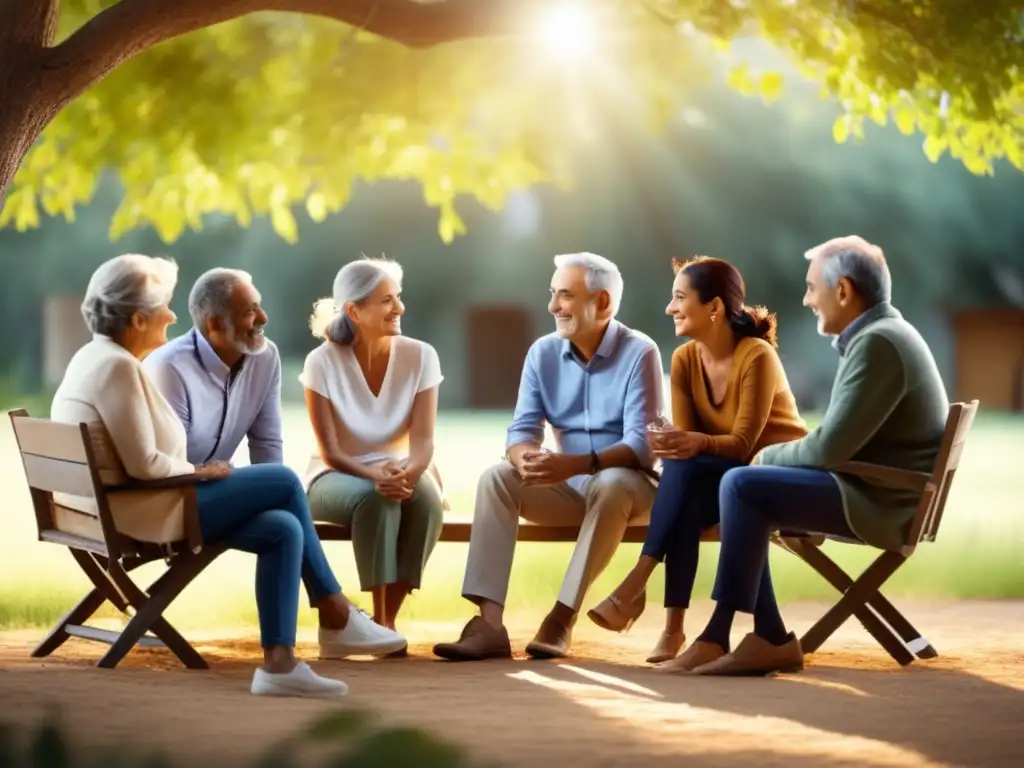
990	358
64	333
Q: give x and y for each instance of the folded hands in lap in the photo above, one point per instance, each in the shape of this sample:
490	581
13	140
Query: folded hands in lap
213	470
392	481
540	468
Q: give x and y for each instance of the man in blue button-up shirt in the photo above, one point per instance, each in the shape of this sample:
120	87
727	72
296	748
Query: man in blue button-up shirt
223	377
597	384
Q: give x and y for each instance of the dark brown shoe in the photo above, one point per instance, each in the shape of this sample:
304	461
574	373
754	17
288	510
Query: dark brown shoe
755	656
552	640
478	641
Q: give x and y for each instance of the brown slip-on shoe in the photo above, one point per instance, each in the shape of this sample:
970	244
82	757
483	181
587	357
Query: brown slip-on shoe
668	647
616	616
479	640
698	654
756	657
552	640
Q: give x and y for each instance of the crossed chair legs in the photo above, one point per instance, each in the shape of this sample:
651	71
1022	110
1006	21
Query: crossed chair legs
114	584
861	598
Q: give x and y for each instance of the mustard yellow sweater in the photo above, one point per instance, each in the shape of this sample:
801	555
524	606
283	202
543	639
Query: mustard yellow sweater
758	408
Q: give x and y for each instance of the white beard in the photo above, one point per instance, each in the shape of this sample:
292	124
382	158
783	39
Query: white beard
245	346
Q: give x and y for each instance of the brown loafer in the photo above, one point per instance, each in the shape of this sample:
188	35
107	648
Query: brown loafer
552	640
757	657
478	641
616	616
699	653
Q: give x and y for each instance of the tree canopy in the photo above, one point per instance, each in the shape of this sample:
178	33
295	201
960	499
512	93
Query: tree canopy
269	111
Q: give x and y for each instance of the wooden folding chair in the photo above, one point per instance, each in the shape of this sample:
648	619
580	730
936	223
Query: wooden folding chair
59	458
862	596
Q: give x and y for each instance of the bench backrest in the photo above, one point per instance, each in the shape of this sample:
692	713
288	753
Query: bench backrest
933	501
58	458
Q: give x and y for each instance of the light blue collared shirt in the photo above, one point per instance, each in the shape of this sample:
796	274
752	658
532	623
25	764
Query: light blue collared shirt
217	408
590	406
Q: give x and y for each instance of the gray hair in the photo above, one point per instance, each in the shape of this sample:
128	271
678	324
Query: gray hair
124	285
860	262
353	283
211	295
602	274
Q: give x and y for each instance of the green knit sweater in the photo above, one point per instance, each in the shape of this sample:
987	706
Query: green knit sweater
889	407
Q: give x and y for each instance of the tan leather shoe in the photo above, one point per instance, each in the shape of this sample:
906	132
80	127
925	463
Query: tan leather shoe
755	656
699	653
614	615
552	640
667	648
478	641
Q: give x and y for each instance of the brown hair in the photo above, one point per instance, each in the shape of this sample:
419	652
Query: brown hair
716	278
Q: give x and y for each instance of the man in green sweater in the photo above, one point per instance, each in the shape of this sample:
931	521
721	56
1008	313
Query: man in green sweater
888	406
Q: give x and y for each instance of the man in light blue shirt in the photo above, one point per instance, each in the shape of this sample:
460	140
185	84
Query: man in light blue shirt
223	377
597	384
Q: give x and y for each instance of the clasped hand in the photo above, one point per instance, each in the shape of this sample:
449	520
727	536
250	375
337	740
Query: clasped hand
392	481
672	443
539	468
213	470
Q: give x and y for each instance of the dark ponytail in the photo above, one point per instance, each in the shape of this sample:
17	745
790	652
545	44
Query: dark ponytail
755	322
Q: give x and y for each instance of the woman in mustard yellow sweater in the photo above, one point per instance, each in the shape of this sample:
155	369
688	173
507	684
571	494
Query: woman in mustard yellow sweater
730	398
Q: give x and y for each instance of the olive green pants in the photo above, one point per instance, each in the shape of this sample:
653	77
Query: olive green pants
392	540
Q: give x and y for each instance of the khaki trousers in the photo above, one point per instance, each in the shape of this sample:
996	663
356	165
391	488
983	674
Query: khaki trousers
611	500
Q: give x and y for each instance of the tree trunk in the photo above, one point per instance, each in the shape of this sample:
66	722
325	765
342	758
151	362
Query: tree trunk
26	112
28	105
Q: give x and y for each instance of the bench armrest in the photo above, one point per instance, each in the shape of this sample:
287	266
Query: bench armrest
179	481
890	477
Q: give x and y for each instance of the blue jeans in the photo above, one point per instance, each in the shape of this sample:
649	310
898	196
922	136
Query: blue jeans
757	500
685	504
262	509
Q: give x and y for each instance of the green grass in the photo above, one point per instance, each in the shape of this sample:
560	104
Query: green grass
977	555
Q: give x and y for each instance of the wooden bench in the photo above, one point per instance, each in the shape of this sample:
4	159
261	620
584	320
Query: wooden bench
458	530
59	458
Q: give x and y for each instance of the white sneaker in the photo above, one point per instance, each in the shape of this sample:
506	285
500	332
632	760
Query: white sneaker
301	681
362	636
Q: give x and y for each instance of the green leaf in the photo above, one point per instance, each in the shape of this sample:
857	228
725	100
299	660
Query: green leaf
934	146
283	222
841	129
316	206
739	78
339	725
770	86
906	121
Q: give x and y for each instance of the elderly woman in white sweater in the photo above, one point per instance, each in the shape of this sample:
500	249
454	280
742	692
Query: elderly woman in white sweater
260	509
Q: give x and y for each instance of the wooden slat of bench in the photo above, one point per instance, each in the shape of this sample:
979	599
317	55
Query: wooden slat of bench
458	531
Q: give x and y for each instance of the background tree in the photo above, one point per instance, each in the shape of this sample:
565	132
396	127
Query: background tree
272	110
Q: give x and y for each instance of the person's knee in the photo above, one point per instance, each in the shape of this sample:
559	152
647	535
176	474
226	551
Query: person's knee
737	481
498	488
615	491
282	529
738	486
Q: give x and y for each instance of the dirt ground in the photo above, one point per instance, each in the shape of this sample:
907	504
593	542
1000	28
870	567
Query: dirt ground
602	707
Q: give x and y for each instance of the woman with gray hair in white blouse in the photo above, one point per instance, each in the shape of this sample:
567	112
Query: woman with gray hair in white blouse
260	509
371	394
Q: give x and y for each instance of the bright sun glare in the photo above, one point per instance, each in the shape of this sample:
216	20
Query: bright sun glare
567	30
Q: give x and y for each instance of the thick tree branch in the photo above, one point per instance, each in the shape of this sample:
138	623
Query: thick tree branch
132	26
28	24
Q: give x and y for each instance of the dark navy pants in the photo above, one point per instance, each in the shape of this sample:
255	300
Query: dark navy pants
686	503
754	501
